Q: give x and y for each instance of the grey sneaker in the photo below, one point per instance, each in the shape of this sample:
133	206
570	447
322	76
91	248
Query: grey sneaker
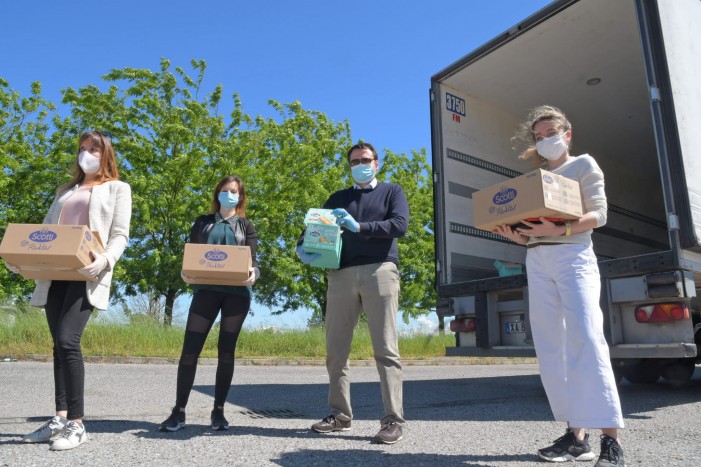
567	448
72	436
389	433
48	431
611	453
331	423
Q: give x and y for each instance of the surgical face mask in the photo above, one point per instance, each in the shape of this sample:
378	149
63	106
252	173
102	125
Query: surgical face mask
551	148
228	200
363	173
89	163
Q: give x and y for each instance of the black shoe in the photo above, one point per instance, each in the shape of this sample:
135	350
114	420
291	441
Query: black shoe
389	433
219	423
567	448
176	420
611	453
331	423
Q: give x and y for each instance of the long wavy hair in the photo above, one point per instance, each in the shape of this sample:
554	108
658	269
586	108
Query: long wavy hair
526	137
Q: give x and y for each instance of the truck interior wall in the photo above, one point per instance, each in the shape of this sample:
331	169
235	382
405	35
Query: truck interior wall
680	21
555	63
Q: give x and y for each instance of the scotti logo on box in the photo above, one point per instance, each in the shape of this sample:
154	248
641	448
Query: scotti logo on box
88	237
505	195
43	236
215	255
314	233
547	178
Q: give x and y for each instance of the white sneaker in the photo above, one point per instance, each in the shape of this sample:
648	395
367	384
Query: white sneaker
72	436
47	432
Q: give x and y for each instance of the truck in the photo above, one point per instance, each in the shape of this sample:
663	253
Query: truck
627	74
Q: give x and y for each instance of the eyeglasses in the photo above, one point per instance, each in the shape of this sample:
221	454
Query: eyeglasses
364	161
106	134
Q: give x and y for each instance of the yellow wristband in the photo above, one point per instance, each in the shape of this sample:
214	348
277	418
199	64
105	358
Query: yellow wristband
568	228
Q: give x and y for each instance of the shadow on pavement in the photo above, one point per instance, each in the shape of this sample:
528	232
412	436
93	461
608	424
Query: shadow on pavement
384	458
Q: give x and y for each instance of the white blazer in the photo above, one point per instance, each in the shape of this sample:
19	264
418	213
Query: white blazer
109	213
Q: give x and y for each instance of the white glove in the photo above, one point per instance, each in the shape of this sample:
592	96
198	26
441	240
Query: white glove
185	278
12	268
96	267
254	274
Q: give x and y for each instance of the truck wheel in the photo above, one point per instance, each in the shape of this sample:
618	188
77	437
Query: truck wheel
643	373
679	373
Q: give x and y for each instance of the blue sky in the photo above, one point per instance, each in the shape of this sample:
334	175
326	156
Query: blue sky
365	61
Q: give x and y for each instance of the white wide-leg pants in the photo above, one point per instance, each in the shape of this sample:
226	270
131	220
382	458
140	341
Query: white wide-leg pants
567	324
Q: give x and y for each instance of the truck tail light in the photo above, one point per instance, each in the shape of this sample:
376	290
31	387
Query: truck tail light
462	325
661	313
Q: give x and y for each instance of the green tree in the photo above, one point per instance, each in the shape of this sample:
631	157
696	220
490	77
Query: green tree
297	165
168	141
29	157
416	248
173	146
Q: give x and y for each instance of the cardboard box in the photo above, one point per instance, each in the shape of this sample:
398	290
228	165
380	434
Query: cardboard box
50	251
322	236
536	194
216	264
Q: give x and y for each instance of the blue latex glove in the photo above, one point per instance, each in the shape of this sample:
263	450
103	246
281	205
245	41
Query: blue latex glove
305	257
345	220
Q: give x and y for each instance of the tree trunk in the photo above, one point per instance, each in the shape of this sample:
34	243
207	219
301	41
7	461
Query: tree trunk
168	312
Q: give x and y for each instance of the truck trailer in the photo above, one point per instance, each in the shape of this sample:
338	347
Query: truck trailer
627	74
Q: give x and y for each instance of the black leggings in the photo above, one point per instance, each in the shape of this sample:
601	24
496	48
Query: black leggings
68	311
204	309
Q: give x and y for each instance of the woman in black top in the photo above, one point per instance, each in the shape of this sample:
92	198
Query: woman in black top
226	224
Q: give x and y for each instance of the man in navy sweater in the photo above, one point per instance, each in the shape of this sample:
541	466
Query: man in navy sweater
374	215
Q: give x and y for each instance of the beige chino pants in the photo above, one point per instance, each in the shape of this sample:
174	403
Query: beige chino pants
373	288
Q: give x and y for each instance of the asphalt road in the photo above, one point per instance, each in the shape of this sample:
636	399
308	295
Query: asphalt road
482	415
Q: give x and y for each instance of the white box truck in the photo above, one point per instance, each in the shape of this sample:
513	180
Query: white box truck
628	75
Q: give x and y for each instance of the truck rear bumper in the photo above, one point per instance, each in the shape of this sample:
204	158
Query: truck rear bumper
623	351
637	351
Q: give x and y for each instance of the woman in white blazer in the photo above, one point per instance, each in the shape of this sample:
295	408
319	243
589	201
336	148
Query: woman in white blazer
94	197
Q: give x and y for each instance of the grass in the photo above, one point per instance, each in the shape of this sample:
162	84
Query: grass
27	333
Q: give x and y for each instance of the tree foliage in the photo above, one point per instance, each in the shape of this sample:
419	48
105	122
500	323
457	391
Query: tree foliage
173	146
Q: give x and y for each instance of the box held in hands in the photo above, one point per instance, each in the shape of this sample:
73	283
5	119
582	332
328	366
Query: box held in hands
532	195
322	236
216	264
50	251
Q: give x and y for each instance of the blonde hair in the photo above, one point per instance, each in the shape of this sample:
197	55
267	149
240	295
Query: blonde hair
525	136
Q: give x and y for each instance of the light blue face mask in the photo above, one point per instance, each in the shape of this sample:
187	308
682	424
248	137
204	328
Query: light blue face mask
228	200
363	173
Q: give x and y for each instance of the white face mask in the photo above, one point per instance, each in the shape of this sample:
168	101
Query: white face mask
551	148
89	163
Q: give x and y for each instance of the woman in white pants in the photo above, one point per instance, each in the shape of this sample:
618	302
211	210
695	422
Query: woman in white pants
564	287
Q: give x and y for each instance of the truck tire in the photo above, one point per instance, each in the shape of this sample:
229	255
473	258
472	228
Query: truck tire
680	372
643	373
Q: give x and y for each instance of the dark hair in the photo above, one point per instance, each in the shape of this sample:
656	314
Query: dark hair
363	145
241	207
108	160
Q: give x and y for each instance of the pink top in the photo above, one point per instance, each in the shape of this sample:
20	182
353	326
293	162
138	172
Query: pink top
75	209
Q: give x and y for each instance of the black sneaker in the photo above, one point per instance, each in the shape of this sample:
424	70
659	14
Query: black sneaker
611	453
331	423
218	421
567	448
176	420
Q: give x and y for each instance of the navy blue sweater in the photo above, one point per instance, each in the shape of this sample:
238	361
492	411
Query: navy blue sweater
383	215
